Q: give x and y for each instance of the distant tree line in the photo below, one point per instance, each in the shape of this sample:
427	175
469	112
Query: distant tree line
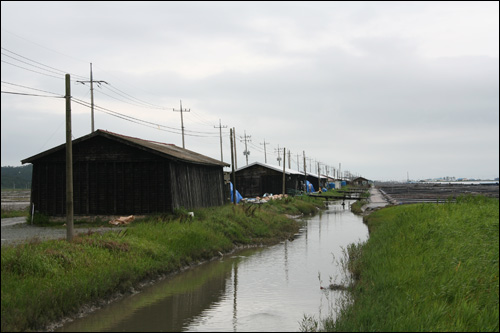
17	177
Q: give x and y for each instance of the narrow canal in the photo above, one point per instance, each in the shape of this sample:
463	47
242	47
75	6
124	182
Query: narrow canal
267	289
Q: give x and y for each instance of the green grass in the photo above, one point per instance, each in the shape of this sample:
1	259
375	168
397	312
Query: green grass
45	281
426	267
6	213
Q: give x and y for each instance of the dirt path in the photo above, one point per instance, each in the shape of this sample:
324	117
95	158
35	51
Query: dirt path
15	230
376	200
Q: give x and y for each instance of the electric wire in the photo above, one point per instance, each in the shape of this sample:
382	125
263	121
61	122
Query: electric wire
39	63
201	120
140	121
124	94
18	85
26	94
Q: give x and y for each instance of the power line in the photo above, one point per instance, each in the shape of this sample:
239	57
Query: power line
132	98
18	85
25	94
36	62
57	77
140	121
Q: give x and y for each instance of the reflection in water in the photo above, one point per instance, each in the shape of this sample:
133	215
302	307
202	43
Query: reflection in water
262	289
235	298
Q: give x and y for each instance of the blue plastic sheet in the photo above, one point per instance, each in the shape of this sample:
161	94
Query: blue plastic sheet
238	195
309	187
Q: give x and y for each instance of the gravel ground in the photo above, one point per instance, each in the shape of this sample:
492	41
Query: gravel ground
15	230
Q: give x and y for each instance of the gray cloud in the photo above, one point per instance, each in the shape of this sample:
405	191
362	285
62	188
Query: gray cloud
347	83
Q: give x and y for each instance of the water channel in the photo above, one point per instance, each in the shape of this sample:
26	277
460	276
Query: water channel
266	289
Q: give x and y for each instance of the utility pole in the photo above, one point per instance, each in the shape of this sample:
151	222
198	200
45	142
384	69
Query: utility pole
279	157
232	165
235	155
245	137
298	168
265	154
305	172
284	176
289	160
319	178
182	122
69	164
220	132
310	161
92	94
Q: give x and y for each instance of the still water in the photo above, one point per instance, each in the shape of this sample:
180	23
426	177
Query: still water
263	289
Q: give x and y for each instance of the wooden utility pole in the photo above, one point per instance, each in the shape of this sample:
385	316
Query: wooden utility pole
279	157
284	176
92	95
246	137
182	122
319	178
265	154
69	164
289	160
235	155
305	172
232	165
220	132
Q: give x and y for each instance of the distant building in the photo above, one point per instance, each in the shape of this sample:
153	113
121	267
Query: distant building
258	178
360	181
115	174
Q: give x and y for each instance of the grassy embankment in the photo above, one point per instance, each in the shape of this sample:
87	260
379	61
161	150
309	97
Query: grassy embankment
426	267
45	281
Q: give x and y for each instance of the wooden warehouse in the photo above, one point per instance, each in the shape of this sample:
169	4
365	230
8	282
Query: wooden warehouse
258	178
120	175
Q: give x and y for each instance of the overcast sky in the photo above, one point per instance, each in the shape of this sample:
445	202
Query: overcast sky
386	89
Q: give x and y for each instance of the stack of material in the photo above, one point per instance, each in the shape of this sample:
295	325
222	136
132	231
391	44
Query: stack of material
265	198
122	220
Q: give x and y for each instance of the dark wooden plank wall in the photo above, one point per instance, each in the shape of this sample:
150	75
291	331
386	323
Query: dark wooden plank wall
110	178
258	180
196	186
48	191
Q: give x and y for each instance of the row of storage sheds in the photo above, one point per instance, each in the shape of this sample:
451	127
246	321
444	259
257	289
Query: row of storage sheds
115	174
259	178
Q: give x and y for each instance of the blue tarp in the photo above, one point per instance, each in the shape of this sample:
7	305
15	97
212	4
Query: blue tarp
309	187
238	195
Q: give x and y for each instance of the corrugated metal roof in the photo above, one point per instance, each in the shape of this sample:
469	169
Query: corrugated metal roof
156	147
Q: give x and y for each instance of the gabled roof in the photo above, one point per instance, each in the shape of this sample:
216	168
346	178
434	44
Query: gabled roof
360	178
159	148
273	167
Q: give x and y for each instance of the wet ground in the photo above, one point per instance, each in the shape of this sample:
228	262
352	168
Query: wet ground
417	193
15	199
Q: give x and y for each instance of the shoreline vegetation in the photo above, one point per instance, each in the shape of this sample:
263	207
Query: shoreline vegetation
425	267
44	282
